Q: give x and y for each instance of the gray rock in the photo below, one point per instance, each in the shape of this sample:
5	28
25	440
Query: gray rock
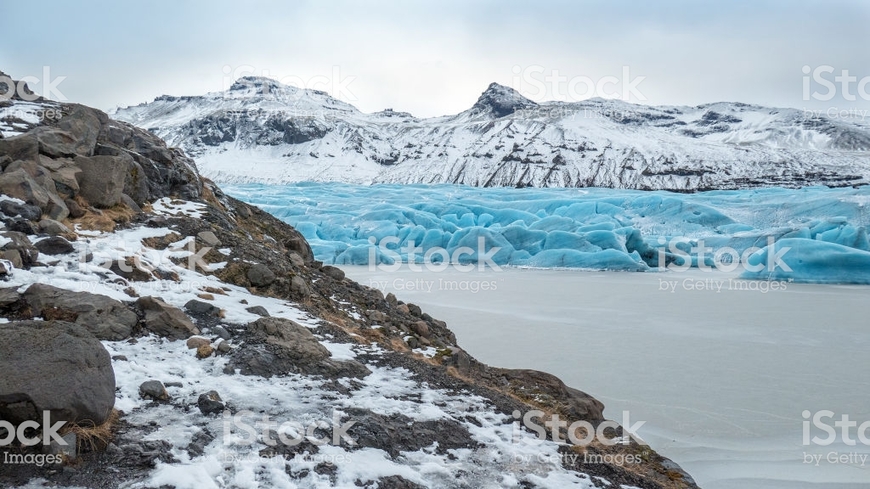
154	390
21	185
64	176
102	179
58	367
20	243
210	403
295	259
278	346
299	287
104	317
165	320
129	202
22	226
258	310
14	257
391	299
24	147
333	272
85	124
55	142
54	245
25	211
200	308
52	227
221	332
75	210
260	276
421	328
414	309
209	239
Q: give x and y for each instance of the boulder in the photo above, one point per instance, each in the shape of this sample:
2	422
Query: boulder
153	390
278	346
258	310
75	210
165	320
84	122
200	308
52	227
54	245
334	273
260	276
209	239
23	226
26	211
24	147
55	142
58	367
101	181
104	317
20	243
21	185
66	180
210	403
299	287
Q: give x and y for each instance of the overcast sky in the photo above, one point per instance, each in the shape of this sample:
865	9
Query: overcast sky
436	57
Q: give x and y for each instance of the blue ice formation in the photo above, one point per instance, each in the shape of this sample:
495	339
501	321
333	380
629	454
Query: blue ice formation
598	229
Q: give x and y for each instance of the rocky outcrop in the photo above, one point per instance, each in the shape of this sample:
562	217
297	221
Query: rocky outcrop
54	366
165	320
82	154
104	317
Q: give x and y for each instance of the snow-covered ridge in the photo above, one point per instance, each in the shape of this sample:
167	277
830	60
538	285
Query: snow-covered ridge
262	131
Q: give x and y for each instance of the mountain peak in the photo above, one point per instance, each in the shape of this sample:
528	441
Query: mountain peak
501	101
259	84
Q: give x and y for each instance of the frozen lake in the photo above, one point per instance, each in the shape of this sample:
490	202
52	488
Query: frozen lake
721	377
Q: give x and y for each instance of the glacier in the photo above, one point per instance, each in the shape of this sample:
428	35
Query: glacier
818	233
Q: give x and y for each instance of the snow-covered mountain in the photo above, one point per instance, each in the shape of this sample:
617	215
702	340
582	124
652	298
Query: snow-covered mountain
262	131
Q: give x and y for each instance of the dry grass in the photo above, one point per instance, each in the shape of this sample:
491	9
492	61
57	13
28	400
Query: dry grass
92	438
105	220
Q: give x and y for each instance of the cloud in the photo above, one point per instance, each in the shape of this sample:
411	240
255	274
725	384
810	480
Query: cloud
435	57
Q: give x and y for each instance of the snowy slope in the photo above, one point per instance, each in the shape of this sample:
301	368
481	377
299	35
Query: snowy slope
262	131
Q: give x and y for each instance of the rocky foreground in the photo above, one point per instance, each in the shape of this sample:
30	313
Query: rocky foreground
186	339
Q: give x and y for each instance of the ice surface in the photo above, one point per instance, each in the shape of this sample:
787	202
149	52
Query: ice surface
599	229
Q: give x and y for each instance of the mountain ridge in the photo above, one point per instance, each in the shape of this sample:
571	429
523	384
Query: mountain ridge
286	134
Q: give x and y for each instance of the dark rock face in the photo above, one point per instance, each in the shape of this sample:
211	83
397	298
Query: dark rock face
398	433
19	247
54	366
102	178
165	320
102	316
501	101
261	276
276	346
54	245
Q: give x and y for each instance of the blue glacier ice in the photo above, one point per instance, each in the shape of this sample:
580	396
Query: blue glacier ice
597	229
